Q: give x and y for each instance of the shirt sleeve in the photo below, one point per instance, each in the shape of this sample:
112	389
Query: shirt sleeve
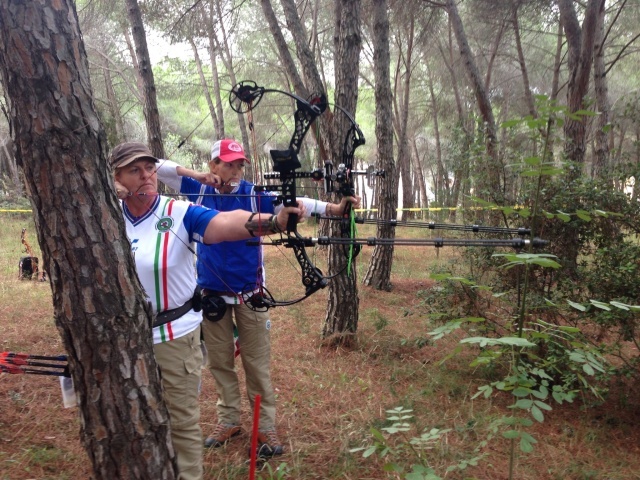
197	220
167	174
192	189
313	206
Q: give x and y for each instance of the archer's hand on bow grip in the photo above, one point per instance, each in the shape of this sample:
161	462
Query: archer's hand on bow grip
291	214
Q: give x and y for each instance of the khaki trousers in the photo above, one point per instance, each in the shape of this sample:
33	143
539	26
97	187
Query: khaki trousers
180	363
255	351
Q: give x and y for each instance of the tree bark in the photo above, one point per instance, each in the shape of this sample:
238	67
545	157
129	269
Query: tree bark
341	321
310	73
112	100
205	86
379	270
489	183
211	37
580	41
227	58
421	186
151	114
442	176
283	50
528	97
601	159
99	307
403	93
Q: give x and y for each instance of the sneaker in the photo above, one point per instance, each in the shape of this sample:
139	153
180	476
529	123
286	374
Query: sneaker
222	434
268	443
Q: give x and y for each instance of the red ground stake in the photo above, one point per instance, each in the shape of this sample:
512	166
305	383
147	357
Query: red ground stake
254	437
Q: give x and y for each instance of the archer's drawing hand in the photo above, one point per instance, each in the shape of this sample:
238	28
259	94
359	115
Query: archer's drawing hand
121	190
208	178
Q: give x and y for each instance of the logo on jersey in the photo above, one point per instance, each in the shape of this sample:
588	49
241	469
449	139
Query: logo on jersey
134	245
164	224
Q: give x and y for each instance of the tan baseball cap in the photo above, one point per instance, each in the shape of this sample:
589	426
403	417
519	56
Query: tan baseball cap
129	152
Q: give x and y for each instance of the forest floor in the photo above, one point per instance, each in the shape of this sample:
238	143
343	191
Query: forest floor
328	399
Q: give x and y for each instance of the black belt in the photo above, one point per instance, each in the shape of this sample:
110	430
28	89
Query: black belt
218	293
171	315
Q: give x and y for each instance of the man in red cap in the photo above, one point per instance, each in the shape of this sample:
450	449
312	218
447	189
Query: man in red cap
225	272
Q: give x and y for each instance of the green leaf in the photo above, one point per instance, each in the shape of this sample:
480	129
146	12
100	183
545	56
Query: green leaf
624	306
537	414
582	215
521	392
577	306
525	446
524	403
568	329
542	394
565	217
369	451
516	341
542	405
377	435
511	434
532	161
550	171
600	305
586	113
588	369
544	262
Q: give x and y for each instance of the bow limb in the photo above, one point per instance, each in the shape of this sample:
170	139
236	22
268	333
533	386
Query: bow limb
244	97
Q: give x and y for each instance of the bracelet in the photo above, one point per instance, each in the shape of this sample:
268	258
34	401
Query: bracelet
248	224
273	224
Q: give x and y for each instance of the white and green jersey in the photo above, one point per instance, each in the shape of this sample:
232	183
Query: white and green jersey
161	245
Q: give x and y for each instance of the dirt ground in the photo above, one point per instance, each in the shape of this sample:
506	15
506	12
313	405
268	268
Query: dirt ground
329	399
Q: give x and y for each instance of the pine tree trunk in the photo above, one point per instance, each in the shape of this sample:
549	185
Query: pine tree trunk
99	306
205	86
580	41
341	321
515	22
490	184
379	270
601	160
151	114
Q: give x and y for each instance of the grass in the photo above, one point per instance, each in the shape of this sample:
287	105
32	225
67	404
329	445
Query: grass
328	399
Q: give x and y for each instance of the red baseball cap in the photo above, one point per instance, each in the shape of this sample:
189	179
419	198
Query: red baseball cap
227	150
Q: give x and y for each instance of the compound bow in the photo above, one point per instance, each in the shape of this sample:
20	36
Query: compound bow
244	97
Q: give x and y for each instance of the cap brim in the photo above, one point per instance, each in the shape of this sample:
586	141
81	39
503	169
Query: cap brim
135	158
230	157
